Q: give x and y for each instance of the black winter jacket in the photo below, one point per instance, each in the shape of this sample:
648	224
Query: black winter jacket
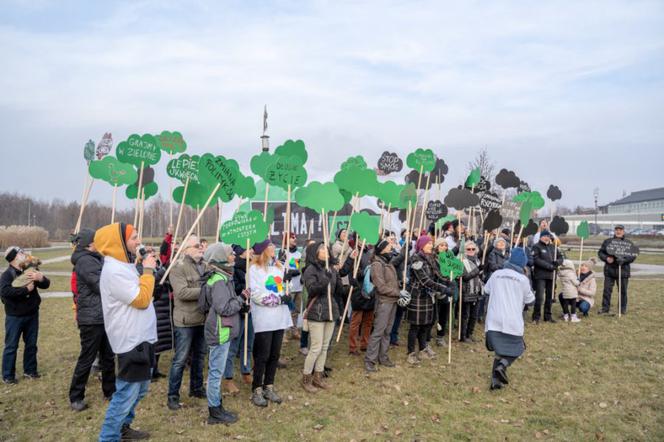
19	301
87	266
544	262
494	261
316	280
611	270
240	275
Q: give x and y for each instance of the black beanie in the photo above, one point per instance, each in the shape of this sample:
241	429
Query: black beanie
85	237
381	246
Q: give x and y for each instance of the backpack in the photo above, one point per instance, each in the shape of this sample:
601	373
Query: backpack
367	285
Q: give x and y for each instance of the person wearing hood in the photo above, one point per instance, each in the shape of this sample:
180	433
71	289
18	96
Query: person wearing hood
386	287
546	261
21	315
130	323
425	287
222	324
472	291
323	285
338	246
271	316
90	318
509	291
236	349
189	333
570	291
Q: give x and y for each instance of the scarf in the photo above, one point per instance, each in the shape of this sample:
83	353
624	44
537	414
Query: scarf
584	276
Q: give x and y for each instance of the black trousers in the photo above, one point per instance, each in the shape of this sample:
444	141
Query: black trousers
443	317
468	318
543	288
267	349
93	341
418	333
609	282
568	305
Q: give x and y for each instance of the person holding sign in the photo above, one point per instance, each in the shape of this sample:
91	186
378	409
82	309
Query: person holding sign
617	270
509	291
320	283
270	315
546	262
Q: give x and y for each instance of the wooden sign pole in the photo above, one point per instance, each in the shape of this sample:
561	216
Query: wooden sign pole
246	315
350	292
138	193
177	226
115	192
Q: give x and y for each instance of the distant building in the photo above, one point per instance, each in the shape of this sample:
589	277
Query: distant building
643	201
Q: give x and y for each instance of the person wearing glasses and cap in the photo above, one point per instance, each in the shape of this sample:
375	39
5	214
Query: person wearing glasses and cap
21	315
611	273
188	319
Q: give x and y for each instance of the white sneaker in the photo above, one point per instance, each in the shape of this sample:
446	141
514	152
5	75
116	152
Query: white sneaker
566	317
575	318
304	351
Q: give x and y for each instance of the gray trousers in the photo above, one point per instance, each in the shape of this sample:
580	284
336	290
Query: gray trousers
379	342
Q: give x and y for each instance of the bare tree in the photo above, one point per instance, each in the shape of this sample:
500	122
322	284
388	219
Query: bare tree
485	163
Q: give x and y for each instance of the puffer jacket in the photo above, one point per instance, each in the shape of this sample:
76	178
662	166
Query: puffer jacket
87	266
316	279
588	288
568	279
385	280
544	262
495	260
424	288
186	280
224	307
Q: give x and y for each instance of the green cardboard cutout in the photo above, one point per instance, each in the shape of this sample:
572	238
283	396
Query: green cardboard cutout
213	170
389	193
89	151
139	148
583	230
320	196
444	220
357	181
408	194
529	201
184	167
244	226
346	194
196	197
246	187
171	142
448	263
356	161
259	163
366	226
112	171
423	159
150	190
293	149
473	178
285	171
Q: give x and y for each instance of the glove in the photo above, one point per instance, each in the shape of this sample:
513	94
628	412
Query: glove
354	283
246	293
291	274
246	308
285	299
620	261
404	298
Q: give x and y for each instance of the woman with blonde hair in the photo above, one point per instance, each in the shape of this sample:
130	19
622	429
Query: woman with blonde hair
270	316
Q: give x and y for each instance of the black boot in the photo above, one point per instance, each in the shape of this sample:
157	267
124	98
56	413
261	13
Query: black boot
495	383
129	433
500	371
219	416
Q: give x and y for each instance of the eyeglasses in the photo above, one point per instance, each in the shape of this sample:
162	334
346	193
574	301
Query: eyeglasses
471	249
195	246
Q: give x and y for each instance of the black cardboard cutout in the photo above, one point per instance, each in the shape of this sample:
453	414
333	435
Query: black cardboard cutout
413	177
436	210
507	179
490	201
554	193
558	225
389	162
622	248
461	198
493	220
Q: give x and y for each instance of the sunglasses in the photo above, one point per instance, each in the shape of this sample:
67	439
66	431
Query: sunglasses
471	249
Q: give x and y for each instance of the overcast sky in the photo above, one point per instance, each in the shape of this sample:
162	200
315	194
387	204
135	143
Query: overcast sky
566	93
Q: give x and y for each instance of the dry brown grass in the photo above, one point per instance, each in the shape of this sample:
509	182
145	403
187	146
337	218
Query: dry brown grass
23	236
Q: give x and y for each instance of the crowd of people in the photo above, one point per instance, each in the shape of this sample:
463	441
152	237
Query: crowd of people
236	307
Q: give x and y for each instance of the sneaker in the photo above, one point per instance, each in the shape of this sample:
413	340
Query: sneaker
9	381
271	395
413	359
551	320
129	433
575	318
428	353
173	403
566	317
370	367
78	405
304	351
31	375
441	342
258	399
387	362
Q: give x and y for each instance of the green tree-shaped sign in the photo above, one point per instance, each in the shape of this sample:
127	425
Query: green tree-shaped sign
246	187
529	201
473	178
259	164
243	227
293	149
196	196
286	171
320	197
357	181
139	149
356	161
112	171
450	265
408	194
150	189
184	167
421	159
583	230
171	142
366	226
218	170
389	193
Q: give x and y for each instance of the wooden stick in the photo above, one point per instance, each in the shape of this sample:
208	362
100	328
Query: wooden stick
553	285
460	302
345	243
141	213
170	192
350	292
115	192
619	290
84	201
246	315
406	243
580	258
334	220
267	190
419	183
284	242
198	226
424	202
218	233
512	235
486	245
327	261
389	216
311	227
450	320
470	216
138	192
177	226
191	229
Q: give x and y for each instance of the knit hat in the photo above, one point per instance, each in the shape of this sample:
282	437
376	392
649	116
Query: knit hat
589	263
381	246
84	238
261	246
438	242
238	250
499	239
339	232
11	253
518	257
218	252
422	241
544	233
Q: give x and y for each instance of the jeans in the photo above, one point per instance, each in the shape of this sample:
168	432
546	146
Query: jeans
121	409
187	338
394	333
321	335
267	349
609	282
543	288
93	341
237	348
379	342
583	306
216	365
15	326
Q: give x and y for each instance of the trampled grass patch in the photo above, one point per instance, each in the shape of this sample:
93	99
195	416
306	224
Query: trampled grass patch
599	379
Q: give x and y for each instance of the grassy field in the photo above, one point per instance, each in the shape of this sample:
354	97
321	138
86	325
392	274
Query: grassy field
600	379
